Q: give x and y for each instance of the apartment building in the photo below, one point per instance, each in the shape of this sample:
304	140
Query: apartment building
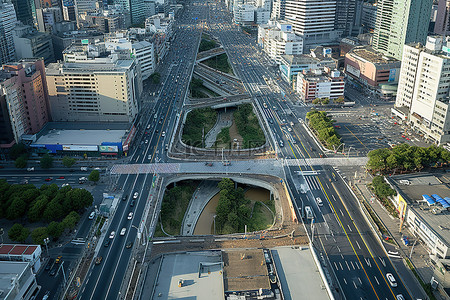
424	89
7	23
99	89
442	24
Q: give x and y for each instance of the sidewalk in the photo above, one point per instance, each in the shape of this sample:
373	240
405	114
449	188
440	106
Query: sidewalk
419	256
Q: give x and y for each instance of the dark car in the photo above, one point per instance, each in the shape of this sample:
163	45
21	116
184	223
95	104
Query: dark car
129	245
53	271
132	203
125	198
107	243
98	260
49	264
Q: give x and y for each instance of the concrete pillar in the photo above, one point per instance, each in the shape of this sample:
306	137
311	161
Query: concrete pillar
175	184
235	185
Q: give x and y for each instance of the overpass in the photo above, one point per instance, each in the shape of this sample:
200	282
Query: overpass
272	167
210	53
219	102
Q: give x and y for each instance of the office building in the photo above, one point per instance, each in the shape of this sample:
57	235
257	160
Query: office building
320	84
369	16
25	11
136	8
7	23
31	43
150	7
400	22
291	65
47	18
85	6
278	9
313	20
424	89
69	10
94	88
348	17
24	98
277	39
369	68
442	24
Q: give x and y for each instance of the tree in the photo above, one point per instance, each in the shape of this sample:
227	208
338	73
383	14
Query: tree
37	208
79	198
94	176
55	229
18	233
21	162
39	235
17	150
155	78
46	161
71	220
68	161
17	209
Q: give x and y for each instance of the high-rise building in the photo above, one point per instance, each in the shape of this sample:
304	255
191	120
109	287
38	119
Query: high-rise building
278	9
369	16
442	25
7	23
100	89
31	43
424	89
24	88
348	16
312	19
25	11
136	8
400	22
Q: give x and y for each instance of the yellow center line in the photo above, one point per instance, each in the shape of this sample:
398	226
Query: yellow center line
342	226
356	137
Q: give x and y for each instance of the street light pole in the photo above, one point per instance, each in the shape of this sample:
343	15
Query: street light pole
46	241
214	224
1	233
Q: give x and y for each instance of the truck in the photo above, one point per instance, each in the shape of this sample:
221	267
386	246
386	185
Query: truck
309	213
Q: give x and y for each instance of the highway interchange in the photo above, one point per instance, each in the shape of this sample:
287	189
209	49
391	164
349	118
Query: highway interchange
341	233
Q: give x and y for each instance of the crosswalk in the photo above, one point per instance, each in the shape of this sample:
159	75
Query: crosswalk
267	166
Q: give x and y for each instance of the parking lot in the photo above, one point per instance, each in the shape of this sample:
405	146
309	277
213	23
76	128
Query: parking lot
363	129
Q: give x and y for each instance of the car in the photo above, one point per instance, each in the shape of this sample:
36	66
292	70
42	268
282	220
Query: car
156	130
107	243
129	245
48	179
163	134
148	127
49	264
391	279
24	181
30	169
58	259
146	141
132	203
112	234
98	260
122	232
130	215
92	215
400	297
47	294
289	129
65	184
319	201
135	195
83	168
53	272
125	198
61	177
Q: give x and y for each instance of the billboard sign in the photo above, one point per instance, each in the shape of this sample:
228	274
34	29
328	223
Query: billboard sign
79	148
354	71
85	42
392	73
108	148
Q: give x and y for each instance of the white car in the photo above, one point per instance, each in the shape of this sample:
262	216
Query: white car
146	141
130	215
122	232
391	279
135	195
112	234
319	201
30	169
163	134
289	129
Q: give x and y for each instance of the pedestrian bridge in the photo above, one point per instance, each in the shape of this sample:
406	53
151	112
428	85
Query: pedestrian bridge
258	166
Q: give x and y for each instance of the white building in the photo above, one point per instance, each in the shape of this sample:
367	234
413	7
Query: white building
277	39
100	89
424	89
244	14
312	19
18	280
320	84
262	15
31	43
162	30
143	51
7	23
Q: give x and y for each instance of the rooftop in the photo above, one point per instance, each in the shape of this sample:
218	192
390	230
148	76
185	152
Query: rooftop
370	55
67	133
201	273
245	270
426	183
10	271
298	273
299	59
10	249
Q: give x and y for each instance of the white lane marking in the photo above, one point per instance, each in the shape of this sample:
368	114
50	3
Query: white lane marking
360	282
358	245
333	197
341	212
353	266
342	256
376	279
339	249
354	284
382	261
368	262
335	265
347	266
342	268
349	227
345	281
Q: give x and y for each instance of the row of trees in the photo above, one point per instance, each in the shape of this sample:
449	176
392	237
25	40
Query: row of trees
404	157
19	154
19	233
233	211
248	127
382	190
323	127
198	123
48	203
325	101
